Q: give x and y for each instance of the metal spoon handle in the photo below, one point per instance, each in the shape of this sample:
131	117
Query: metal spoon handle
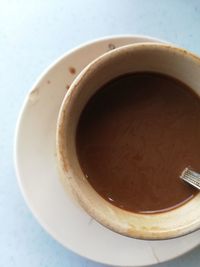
191	177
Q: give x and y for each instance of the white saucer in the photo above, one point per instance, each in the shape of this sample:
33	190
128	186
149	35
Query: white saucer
35	161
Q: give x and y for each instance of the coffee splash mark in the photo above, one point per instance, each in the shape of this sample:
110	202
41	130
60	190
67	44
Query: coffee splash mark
111	46
72	70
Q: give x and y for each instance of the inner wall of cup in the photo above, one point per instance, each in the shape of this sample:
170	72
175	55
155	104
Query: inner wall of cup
157	58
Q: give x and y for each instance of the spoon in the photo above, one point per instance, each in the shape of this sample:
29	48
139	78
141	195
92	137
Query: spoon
191	177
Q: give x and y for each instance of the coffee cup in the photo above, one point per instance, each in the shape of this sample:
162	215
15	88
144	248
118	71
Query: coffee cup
144	57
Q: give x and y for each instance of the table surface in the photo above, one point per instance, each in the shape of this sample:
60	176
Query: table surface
33	34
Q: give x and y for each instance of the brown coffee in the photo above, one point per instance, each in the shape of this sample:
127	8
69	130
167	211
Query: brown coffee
134	138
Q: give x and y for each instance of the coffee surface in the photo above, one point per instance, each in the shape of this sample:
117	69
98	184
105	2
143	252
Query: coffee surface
134	138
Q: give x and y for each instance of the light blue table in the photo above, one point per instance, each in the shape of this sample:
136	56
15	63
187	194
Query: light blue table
34	33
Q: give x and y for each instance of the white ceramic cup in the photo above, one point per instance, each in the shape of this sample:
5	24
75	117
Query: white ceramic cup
162	58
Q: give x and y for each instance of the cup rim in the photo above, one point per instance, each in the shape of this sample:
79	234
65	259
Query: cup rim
64	167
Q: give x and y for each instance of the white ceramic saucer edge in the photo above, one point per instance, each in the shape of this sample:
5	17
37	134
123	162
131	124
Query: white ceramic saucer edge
154	255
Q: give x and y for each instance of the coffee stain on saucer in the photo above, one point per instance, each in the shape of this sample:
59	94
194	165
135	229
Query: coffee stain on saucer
72	70
111	46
